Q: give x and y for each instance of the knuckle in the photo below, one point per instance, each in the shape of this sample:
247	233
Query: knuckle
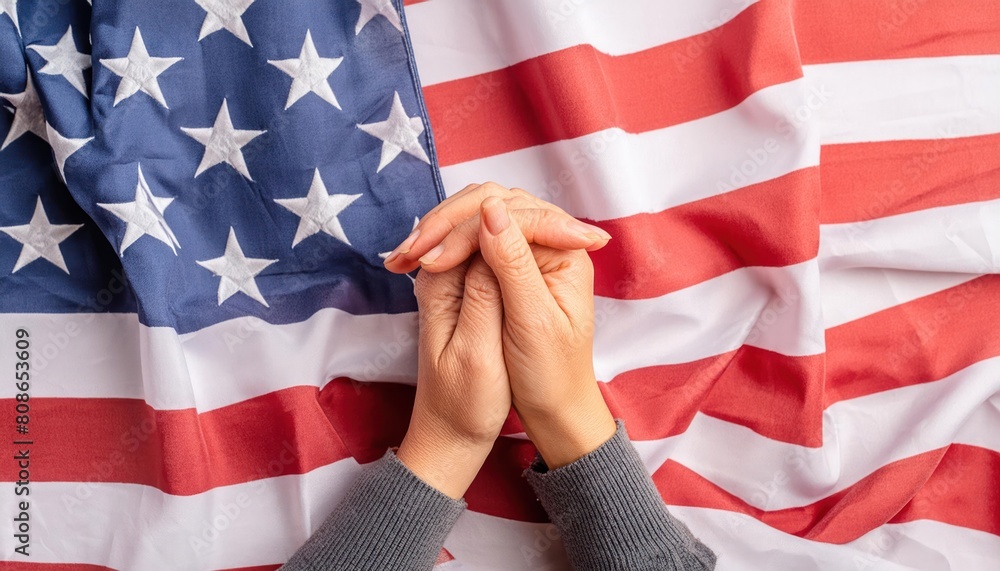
469	188
465	236
518	258
482	289
490	188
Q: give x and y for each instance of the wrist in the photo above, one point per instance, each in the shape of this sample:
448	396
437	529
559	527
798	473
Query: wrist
566	433
445	463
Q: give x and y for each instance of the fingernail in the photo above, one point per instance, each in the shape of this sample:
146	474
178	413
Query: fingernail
430	257
590	231
392	256
495	215
407	244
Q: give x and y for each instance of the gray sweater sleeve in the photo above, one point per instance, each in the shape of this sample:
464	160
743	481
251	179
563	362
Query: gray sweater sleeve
610	515
604	505
390	520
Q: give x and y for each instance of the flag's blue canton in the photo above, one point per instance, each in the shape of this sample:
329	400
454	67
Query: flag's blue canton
243	157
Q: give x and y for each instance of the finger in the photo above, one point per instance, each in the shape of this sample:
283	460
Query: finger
525	295
539	226
474	194
439	300
481	316
437	223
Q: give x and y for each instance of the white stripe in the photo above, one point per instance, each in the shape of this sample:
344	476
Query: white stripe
964	238
900	99
770	308
276	514
132	527
741	543
243	358
859	436
612	174
981	428
112	355
924	545
453	39
853	293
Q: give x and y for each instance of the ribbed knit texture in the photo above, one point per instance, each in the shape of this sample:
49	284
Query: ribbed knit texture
610	515
390	520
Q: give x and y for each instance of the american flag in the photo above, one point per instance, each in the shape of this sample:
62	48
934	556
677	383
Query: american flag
798	318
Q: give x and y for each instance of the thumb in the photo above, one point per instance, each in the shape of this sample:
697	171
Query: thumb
439	299
507	252
481	316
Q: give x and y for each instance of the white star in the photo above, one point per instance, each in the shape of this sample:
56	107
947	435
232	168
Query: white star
223	143
63	59
309	73
143	216
226	14
139	71
28	116
9	7
237	271
318	211
40	239
372	8
398	133
63	147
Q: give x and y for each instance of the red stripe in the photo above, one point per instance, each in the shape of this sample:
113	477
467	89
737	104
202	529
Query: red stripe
768	224
295	430
924	340
371	418
125	440
783	397
961	491
181	452
828	32
579	90
299	429
955	485
777	396
864	181
500	490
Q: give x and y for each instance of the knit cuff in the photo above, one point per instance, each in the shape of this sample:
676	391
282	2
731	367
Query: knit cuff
610	514
389	519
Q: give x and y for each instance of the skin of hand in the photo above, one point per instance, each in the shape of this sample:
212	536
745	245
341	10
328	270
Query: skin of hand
449	233
463	393
548	337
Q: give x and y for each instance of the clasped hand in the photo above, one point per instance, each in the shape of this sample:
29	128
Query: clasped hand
505	297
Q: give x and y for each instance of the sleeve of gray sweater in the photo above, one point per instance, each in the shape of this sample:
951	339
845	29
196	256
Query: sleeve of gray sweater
605	506
610	515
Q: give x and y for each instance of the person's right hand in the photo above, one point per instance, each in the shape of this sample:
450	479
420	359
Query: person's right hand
463	396
449	233
548	334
